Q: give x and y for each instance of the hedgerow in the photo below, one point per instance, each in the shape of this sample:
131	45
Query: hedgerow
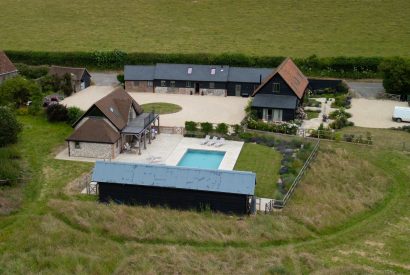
345	67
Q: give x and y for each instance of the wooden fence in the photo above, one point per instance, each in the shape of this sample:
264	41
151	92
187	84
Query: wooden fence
279	204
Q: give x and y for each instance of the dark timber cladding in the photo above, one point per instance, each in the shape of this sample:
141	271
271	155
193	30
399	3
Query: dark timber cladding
176	187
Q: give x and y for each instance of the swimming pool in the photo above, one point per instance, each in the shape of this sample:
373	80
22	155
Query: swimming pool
201	159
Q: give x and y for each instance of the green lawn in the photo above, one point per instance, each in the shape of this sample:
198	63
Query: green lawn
349	215
265	162
255	27
161	108
312	114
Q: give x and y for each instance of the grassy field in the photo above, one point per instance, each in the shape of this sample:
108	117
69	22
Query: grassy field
161	108
350	214
265	162
312	114
277	27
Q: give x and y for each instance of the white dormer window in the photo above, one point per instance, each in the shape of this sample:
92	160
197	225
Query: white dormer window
189	70
213	71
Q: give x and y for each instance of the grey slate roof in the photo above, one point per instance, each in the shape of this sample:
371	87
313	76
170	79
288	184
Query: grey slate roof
143	72
222	181
223	73
274	101
199	72
248	75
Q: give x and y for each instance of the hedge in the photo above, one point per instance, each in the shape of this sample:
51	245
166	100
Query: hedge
348	67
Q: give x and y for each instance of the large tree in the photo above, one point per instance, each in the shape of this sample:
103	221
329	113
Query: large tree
17	91
396	76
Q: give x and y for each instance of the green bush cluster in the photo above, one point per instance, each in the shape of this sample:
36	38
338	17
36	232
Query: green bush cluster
340	119
9	127
31	72
284	127
73	114
346	67
342	101
192	128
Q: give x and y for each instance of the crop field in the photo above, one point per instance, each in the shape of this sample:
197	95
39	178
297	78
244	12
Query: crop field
253	27
350	214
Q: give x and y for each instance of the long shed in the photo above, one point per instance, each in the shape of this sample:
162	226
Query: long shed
175	187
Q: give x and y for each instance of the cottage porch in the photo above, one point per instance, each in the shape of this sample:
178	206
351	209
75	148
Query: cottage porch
137	131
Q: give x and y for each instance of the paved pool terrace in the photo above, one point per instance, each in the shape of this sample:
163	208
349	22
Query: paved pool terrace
168	149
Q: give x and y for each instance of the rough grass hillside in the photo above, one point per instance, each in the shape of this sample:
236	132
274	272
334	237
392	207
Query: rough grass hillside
276	27
349	215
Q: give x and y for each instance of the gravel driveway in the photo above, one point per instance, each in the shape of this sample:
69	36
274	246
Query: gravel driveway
214	109
374	113
366	89
104	78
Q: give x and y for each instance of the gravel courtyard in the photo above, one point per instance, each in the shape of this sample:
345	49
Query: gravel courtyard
374	113
212	109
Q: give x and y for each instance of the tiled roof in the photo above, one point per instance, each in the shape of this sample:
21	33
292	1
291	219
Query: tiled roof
190	72
139	72
274	101
61	71
291	75
95	129
116	106
6	66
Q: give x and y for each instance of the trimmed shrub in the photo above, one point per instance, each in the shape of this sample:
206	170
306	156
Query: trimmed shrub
222	128
73	114
9	127
120	78
57	113
191	126
206	127
396	76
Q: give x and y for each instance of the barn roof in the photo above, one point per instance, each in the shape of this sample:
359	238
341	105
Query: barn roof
95	129
248	75
116	106
191	72
274	101
61	71
222	181
139	72
291	75
6	66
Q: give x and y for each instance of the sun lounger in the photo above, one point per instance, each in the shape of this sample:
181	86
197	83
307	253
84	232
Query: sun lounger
213	141
220	142
206	140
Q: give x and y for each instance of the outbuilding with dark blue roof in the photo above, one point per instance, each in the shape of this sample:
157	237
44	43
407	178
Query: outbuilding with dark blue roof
176	187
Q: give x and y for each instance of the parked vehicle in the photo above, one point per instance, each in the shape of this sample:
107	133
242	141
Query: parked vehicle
401	114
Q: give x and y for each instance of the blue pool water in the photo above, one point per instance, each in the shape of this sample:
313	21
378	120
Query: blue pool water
201	159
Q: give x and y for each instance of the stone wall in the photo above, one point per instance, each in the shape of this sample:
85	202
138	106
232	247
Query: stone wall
142	87
6	76
93	150
215	92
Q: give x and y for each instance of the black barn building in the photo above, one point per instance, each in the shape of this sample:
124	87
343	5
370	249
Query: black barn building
175	187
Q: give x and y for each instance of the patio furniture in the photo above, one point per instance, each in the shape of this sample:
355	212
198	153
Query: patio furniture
213	141
127	147
220	142
206	140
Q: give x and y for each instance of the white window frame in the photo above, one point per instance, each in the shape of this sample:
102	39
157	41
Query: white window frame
172	83
238	89
163	83
211	85
190	70
188	84
276	87
213	71
77	145
150	83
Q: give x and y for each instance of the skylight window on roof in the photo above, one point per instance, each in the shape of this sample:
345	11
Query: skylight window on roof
112	109
189	70
213	71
